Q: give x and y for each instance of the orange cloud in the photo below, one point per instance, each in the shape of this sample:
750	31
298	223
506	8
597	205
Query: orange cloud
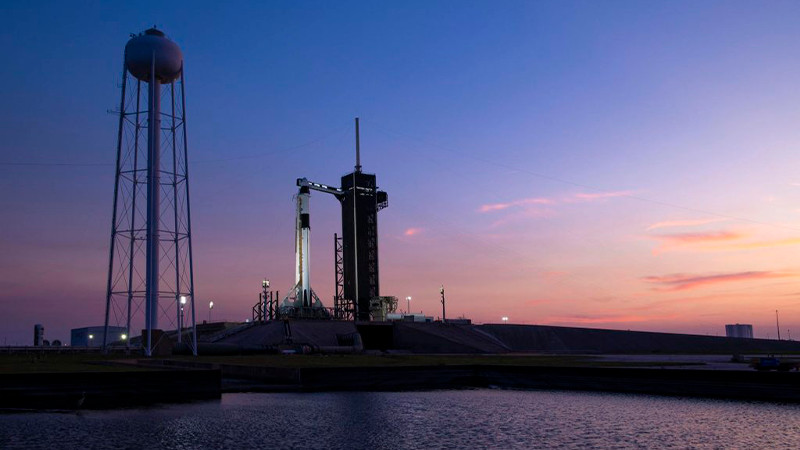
683	223
682	282
762	244
412	231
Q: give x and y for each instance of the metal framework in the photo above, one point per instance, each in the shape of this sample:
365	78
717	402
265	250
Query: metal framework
343	308
126	292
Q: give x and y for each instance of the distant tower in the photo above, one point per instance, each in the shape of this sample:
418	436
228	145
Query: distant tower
38	335
150	276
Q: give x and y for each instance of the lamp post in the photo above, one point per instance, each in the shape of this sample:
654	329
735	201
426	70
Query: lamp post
408	305
210	307
266	309
505	319
180	318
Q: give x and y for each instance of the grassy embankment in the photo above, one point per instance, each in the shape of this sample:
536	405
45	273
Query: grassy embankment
77	362
302	361
64	363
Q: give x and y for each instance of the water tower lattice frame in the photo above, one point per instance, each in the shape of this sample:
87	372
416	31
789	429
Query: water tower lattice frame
126	288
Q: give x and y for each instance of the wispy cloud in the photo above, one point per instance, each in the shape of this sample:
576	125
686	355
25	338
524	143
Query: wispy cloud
759	244
684	223
529	213
522	202
539	201
591	196
682	282
412	231
724	240
695	238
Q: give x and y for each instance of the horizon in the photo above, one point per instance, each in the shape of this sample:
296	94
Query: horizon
620	165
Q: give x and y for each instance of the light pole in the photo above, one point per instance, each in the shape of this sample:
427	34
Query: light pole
180	318
210	307
505	319
444	317
408	305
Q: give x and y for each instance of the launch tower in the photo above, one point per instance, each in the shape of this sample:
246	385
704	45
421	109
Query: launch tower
361	200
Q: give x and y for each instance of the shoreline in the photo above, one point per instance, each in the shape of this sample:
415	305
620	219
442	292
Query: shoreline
695	382
153	381
106	390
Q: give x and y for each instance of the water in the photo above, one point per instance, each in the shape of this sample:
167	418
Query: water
417	420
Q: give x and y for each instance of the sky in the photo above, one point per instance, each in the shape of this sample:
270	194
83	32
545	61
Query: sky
618	164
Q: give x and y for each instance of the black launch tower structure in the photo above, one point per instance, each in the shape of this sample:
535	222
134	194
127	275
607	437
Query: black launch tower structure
361	200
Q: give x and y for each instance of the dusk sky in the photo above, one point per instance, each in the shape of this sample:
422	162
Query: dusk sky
616	164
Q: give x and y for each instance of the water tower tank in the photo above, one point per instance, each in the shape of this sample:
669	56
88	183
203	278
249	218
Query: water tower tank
152	48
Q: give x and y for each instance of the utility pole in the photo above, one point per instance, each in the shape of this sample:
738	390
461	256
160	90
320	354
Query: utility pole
778	324
444	317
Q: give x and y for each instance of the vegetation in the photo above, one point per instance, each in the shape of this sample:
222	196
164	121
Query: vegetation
388	360
46	362
96	362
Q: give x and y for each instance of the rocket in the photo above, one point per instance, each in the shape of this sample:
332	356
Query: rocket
303	249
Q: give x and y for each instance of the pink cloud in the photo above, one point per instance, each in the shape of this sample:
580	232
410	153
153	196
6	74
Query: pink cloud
522	202
579	197
531	213
761	244
683	223
693	238
601	195
681	282
412	231
718	241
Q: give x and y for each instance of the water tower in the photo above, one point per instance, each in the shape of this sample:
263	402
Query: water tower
150	279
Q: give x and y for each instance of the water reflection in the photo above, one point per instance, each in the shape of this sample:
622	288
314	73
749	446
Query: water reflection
417	420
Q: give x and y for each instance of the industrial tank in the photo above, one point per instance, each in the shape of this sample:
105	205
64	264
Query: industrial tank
153	48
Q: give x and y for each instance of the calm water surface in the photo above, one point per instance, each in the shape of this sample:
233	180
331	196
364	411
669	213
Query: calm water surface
424	420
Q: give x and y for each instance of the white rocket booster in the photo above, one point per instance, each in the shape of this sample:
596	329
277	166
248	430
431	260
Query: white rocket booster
303	249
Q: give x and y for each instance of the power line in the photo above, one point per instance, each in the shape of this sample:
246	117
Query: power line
58	164
337	131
